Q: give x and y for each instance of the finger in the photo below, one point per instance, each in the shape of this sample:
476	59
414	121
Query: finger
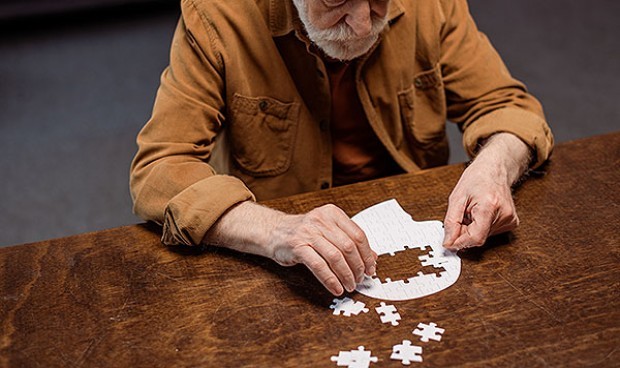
476	233
349	249
508	223
320	269
336	261
357	235
453	221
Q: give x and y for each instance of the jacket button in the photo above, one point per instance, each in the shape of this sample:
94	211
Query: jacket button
418	82
324	185
263	105
324	125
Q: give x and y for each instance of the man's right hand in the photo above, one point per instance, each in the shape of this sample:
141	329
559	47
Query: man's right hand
332	246
325	239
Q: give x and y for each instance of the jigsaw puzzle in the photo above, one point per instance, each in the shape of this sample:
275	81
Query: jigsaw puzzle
406	353
359	358
348	306
390	230
430	331
388	314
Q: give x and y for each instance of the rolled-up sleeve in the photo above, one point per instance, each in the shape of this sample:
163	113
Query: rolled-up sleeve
171	181
482	96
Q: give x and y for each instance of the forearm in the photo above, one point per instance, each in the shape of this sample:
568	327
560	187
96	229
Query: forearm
504	157
245	227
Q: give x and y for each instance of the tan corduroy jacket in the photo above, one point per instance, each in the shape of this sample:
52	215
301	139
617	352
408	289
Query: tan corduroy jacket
245	95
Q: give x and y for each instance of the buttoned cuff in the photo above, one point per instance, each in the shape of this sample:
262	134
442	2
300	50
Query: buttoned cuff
191	213
529	127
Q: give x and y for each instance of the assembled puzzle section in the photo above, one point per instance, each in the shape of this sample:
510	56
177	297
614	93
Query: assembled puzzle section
390	230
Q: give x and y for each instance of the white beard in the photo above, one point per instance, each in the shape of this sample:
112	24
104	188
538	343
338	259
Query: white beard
340	42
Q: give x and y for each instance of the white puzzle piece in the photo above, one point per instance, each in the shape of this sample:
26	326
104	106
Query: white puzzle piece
389	230
388	314
428	332
359	358
406	353
348	306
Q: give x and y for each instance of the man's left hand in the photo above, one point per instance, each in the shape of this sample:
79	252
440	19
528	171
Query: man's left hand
481	203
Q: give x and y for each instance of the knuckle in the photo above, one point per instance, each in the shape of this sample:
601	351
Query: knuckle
297	255
358	236
313	217
329	208
489	204
333	257
359	270
348	246
338	261
314	265
369	260
331	282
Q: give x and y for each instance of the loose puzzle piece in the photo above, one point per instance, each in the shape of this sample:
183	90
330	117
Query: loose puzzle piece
388	313
359	358
348	306
406	353
430	331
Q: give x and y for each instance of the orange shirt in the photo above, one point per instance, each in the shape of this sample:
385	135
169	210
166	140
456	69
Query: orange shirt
357	153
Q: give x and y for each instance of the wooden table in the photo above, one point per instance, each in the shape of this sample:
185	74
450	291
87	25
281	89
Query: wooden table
546	295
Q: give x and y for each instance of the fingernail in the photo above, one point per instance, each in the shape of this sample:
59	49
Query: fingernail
339	290
373	269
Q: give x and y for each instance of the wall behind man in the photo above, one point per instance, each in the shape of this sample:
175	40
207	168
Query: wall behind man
75	89
568	54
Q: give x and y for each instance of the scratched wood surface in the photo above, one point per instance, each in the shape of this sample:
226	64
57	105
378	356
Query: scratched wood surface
546	295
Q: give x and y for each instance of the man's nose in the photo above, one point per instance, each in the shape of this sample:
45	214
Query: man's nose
359	18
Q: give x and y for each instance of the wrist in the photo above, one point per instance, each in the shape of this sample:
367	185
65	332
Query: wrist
505	156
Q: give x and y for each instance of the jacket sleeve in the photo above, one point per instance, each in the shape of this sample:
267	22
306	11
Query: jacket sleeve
171	182
481	95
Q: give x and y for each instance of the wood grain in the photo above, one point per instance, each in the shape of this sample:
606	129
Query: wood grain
546	295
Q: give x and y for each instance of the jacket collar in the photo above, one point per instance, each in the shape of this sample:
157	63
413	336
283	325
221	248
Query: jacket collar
283	15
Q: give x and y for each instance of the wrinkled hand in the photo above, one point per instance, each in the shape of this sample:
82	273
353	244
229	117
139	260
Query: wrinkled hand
481	203
332	246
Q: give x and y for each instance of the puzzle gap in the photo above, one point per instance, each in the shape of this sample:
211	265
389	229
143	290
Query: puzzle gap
405	264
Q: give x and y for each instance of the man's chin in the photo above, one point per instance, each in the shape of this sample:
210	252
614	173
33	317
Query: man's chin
345	51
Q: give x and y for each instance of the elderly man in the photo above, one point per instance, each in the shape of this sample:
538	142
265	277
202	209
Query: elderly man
268	98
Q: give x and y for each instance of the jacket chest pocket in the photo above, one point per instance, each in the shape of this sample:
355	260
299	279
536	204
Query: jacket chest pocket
423	108
262	134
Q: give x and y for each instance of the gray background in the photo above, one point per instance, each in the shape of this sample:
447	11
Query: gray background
75	89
